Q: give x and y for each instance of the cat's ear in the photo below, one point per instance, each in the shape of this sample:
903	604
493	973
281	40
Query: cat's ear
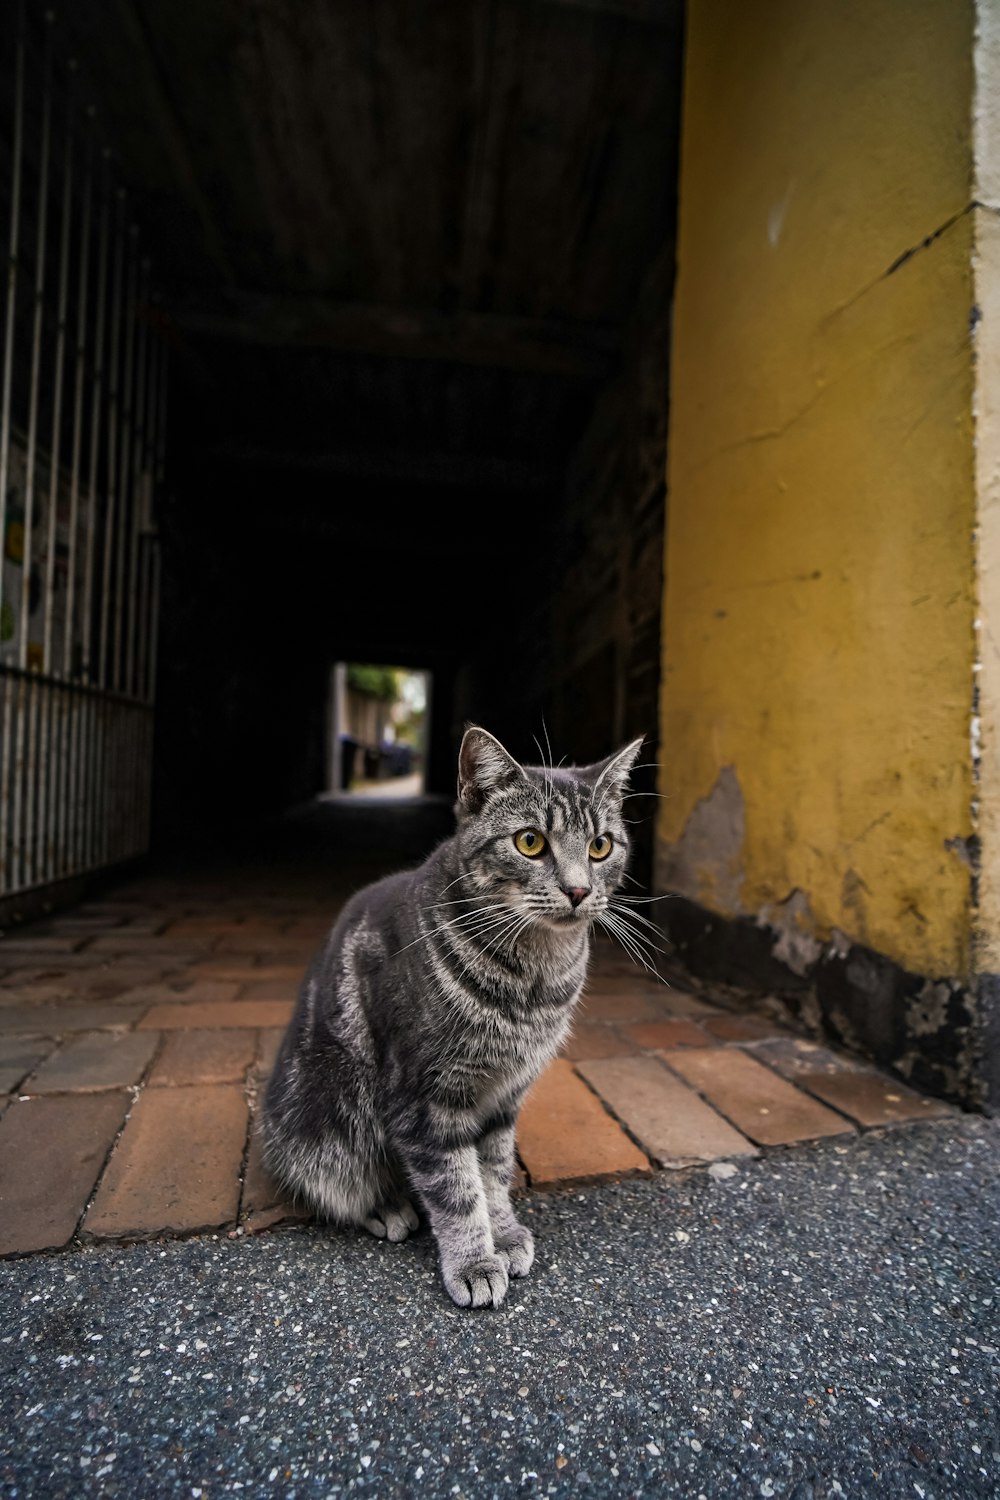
612	775
483	764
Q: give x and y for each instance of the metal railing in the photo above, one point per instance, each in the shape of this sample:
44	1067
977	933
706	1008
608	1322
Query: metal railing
82	424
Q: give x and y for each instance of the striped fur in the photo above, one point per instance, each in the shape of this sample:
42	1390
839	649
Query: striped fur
437	999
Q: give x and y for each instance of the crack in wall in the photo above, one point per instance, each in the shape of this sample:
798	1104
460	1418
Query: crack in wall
907	255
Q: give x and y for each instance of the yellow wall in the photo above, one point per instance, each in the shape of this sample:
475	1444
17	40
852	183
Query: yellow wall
986	259
819	602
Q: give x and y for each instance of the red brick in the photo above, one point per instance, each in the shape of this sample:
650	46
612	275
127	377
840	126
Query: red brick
767	1108
53	965
21	946
19	1056
793	1055
201	929
255	1013
870	1098
56	1020
146	945
183	992
674	1125
678	1032
565	1134
619	1004
740	1028
269	989
679	1003
46	992
242	967
76	923
637	980
590	1040
95	1060
271	958
203	1057
268	1041
51	1154
249	938
177	1165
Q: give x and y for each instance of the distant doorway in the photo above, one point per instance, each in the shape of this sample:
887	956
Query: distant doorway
378	720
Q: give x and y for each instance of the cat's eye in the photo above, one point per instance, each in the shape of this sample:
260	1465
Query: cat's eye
600	847
530	843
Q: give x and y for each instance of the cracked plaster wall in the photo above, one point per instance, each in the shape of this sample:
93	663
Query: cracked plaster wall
819	560
830	712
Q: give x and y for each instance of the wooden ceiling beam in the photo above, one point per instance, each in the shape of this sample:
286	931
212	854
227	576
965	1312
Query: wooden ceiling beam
288	322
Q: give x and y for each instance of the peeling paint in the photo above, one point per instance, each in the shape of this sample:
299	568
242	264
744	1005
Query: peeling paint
794	925
927	1012
962	849
706	862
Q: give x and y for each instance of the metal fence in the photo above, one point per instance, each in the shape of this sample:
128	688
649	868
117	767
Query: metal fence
82	421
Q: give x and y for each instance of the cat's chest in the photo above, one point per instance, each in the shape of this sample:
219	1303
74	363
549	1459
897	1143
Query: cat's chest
505	1059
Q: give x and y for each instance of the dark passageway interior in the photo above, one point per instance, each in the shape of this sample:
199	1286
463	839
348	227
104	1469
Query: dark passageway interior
412	269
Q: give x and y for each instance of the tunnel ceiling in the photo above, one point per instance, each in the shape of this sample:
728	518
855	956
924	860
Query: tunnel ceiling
395	240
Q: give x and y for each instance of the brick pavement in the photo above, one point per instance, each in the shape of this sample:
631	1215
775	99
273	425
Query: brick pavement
137	1031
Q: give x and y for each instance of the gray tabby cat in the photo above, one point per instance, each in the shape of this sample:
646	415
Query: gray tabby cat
438	998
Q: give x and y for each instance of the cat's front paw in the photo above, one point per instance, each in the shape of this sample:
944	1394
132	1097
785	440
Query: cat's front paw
479	1283
392	1221
517	1247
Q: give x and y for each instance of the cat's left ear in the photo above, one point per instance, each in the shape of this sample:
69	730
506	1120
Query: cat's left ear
612	774
483	764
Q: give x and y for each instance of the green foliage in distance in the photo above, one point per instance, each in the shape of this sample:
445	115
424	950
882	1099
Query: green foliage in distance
373	682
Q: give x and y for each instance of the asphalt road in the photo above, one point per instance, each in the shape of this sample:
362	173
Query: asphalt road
824	1322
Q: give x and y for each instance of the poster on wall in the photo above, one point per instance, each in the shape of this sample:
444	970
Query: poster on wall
13	563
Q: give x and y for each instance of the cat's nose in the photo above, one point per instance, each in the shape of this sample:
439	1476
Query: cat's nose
576	893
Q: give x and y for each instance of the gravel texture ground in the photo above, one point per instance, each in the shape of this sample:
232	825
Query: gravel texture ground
822	1322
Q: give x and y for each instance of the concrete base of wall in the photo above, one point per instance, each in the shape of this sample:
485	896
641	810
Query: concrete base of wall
939	1034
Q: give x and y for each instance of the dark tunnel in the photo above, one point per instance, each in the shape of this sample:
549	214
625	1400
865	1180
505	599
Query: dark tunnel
410	285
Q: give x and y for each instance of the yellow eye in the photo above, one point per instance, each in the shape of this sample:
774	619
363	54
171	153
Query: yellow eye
529	842
600	847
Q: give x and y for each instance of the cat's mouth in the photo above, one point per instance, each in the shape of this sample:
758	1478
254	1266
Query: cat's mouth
569	918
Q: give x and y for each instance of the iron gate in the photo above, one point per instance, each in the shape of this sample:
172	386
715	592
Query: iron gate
82	422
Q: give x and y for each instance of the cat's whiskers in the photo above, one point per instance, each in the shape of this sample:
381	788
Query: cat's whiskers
636	916
498	916
453	922
459	901
636	944
472	934
504	941
634	954
629	918
545	769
